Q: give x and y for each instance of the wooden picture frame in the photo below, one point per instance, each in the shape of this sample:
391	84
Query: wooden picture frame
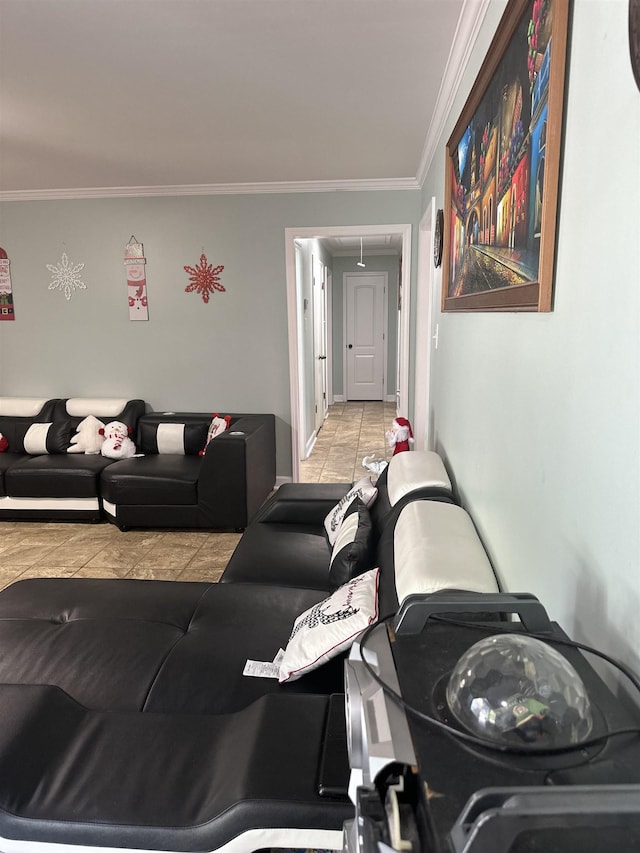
502	168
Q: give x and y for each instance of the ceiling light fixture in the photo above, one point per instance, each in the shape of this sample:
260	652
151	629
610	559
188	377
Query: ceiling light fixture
360	264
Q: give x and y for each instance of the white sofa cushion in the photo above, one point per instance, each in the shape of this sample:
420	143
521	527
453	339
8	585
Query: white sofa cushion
21	407
436	546
106	408
416	469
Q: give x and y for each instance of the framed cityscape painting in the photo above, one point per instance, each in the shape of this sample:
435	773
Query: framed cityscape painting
502	168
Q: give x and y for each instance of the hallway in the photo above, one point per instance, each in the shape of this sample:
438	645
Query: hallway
351	431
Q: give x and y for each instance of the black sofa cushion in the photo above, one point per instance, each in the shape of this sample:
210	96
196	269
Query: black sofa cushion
153	480
55	476
286	542
127	721
232	624
301	503
7	459
285	554
157	646
162	782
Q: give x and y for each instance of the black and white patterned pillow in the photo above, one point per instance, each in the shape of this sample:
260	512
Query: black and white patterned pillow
363	489
37	439
331	626
353	549
186	439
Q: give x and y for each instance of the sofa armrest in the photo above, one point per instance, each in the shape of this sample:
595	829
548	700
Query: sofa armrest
238	472
302	503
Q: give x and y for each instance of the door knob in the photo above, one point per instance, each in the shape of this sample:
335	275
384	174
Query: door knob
350	346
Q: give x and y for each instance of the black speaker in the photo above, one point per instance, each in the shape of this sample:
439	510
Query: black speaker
528	792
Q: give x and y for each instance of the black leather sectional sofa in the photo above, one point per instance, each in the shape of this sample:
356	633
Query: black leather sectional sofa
127	722
223	489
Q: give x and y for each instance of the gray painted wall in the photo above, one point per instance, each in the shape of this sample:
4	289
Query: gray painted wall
374	263
538	415
231	354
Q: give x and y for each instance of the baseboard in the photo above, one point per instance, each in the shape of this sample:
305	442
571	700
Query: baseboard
339	398
280	481
311	443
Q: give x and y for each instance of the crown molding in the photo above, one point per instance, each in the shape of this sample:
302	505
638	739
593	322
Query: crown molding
471	17
372	185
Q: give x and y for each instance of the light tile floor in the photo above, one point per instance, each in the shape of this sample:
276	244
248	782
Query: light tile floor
33	549
350	432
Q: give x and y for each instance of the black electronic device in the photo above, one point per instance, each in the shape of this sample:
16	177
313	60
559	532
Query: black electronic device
526	795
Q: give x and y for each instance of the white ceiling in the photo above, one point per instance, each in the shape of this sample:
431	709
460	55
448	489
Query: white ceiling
104	95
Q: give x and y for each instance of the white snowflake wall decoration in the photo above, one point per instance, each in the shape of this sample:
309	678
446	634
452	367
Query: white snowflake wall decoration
65	276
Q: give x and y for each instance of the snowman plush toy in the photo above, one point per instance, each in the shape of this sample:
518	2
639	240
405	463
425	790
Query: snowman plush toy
117	444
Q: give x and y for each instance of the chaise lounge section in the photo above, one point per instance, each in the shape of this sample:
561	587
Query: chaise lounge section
172	485
129	722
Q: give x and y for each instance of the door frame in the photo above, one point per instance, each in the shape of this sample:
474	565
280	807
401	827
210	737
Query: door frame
305	233
320	339
426	286
385	327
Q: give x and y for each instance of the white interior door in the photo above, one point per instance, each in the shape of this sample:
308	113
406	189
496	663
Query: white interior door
320	341
365	303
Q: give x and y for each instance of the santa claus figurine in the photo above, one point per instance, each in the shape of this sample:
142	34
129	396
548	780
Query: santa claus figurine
400	436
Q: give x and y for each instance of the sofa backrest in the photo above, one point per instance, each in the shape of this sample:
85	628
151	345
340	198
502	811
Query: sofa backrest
173	432
409	476
183	433
106	409
429	546
36	408
17	414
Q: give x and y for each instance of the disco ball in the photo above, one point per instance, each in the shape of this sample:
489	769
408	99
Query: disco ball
511	689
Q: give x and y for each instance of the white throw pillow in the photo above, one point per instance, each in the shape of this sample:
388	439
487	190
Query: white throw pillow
88	438
363	489
330	626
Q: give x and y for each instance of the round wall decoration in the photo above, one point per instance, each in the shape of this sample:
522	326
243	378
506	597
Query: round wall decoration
634	38
438	236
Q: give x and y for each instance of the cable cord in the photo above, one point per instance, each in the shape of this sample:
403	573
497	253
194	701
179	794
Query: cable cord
625	670
465	737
